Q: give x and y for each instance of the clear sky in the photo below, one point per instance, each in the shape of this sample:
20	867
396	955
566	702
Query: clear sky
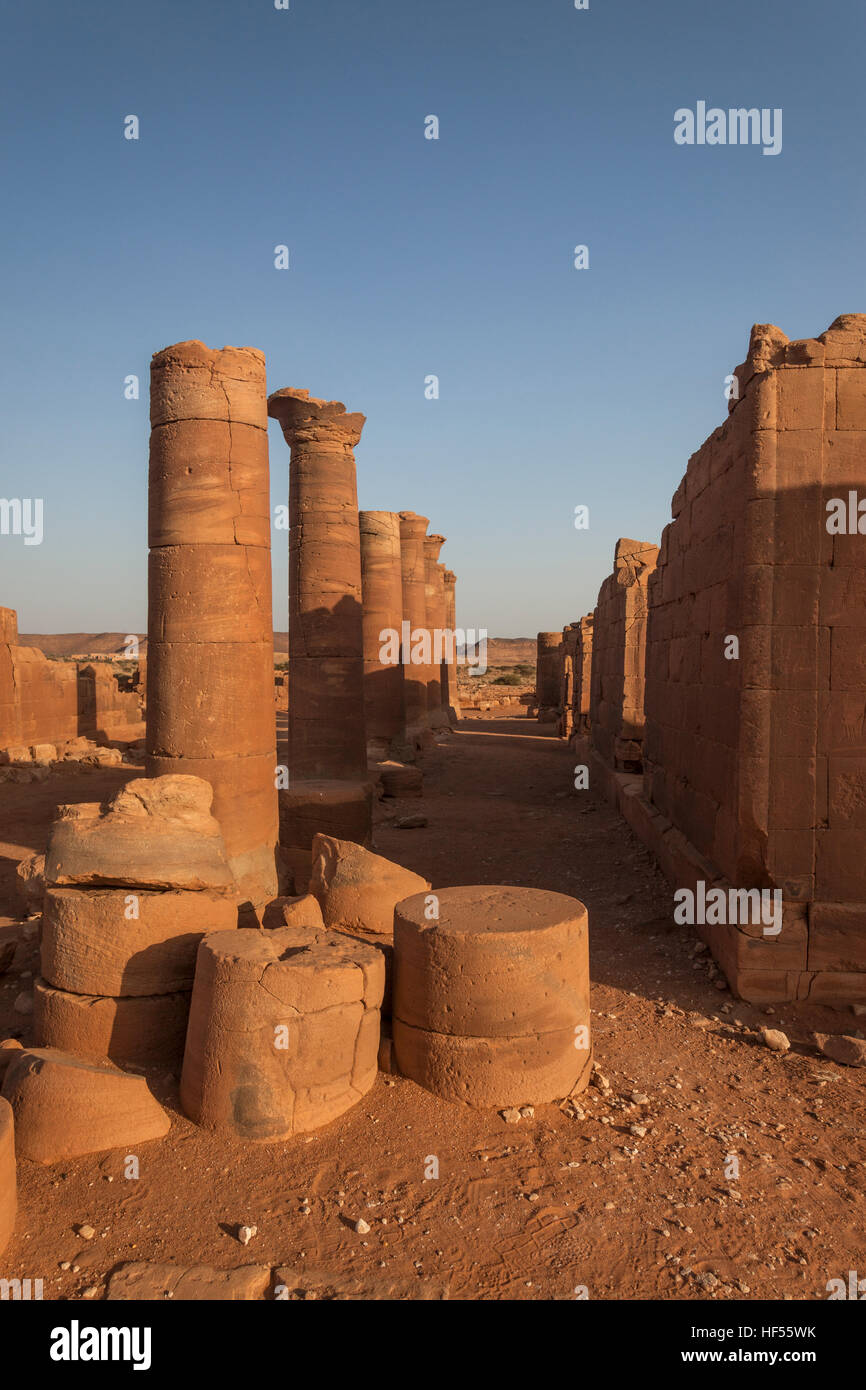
411	257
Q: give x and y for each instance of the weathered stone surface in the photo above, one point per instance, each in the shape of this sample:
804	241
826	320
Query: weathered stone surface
436	609
413	530
142	1030
65	1106
300	911
358	890
327	738
851	1052
9	1048
491	996
155	833
381	581
344	809
141	1281
283	1032
547	670
30	882
619	656
8	1184
117	942
209	620
399	780
492	1072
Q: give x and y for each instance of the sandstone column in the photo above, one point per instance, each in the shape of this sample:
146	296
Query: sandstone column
413	529
382	585
547	674
210	706
451	696
434	599
328	789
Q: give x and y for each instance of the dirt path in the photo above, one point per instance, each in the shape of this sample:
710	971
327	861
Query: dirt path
634	1198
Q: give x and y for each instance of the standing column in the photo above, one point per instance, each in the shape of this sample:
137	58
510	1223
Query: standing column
210	668
413	529
434	595
451	697
328	788
547	670
382	585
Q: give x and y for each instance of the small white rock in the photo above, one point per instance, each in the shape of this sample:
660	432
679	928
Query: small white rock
361	1227
246	1233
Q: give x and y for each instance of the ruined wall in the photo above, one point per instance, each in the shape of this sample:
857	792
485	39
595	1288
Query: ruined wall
756	663
583	675
570	637
38	697
618	643
107	713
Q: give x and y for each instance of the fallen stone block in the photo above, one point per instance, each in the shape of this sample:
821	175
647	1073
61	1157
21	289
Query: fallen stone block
142	1030
9	1049
358	890
144	1282
65	1106
115	941
8	1186
30	883
300	911
851	1052
43	754
399	780
155	833
283	1031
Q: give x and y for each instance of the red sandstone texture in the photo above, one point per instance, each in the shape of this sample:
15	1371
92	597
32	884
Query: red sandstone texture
413	530
209	613
618	656
382	585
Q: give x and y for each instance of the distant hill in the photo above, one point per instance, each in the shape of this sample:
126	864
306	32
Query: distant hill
501	651
80	643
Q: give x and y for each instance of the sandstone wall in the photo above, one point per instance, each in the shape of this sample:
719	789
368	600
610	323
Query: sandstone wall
759	757
38	697
618	656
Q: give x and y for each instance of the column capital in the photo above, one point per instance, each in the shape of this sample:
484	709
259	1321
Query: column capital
305	419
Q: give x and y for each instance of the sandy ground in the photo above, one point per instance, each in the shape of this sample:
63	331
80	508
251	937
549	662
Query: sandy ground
634	1198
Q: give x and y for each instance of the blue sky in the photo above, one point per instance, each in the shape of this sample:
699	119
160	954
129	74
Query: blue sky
411	257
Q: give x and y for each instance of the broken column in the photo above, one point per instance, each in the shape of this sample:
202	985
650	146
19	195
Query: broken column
451	696
283	1032
413	529
131	889
491	994
382	585
328	789
434	602
210	706
547	675
619	657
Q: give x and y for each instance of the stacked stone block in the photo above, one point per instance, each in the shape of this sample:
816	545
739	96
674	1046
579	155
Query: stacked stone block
618	657
38	697
210	704
756	747
491	994
131	890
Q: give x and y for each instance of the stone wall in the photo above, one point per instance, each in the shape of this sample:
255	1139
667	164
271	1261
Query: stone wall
618	651
756	662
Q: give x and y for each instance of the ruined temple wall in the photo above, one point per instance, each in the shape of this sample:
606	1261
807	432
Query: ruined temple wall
618	657
759	760
583	675
38	697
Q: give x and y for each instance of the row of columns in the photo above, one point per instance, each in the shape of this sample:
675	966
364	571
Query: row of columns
354	578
